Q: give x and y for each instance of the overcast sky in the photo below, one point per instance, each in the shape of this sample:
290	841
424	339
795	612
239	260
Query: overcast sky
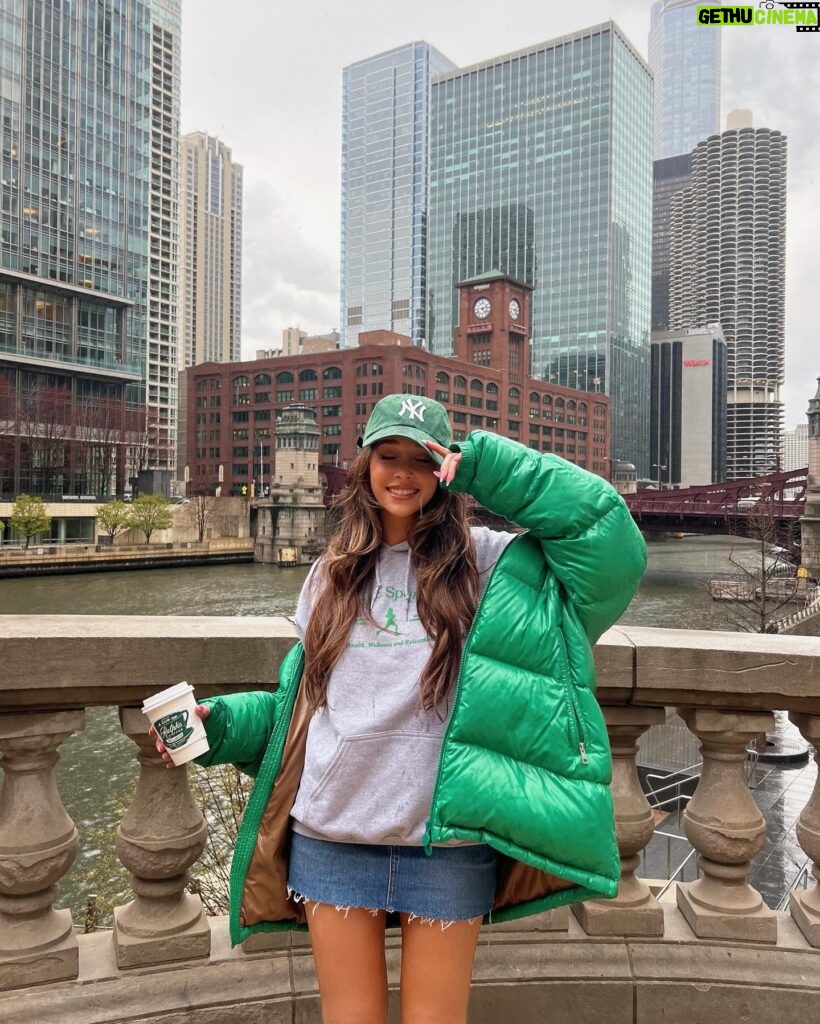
267	79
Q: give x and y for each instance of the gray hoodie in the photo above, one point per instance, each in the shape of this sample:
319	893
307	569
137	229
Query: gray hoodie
372	755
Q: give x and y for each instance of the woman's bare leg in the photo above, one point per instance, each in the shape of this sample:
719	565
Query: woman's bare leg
348	950
436	969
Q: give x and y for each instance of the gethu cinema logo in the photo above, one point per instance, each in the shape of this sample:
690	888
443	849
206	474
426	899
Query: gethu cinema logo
802	16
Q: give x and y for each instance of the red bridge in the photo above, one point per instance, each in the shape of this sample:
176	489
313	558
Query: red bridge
762	506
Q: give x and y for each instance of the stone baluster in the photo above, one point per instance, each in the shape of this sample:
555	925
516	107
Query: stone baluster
38	844
161	836
805	906
634	911
725	826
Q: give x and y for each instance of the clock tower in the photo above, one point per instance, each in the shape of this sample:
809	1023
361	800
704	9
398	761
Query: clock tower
494	324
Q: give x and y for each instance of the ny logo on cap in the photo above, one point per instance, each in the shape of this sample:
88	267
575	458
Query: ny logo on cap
415	410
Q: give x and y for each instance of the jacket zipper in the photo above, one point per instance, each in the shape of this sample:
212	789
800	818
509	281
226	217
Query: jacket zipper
426	841
579	727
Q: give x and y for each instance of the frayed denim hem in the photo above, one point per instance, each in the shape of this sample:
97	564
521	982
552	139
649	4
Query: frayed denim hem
306	901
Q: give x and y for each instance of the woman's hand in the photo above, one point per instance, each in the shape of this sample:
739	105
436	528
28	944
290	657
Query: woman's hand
202	710
447	470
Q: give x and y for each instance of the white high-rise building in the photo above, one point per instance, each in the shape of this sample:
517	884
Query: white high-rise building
794	453
728	266
163	272
211	252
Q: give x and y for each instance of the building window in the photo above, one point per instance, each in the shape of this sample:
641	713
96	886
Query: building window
459	399
442	377
240	382
240	451
332	429
476	385
332	373
262	380
442	396
241	416
459	381
261	414
284	396
334	391
285	377
476	402
261	397
513	425
331	410
308	374
376	389
240	469
308	394
330	449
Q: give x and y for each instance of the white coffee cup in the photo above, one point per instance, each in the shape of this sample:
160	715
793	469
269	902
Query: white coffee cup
172	714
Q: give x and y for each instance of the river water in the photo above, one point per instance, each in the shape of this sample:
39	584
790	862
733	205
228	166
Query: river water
97	767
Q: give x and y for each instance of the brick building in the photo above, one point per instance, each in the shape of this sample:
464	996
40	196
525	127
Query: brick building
232	418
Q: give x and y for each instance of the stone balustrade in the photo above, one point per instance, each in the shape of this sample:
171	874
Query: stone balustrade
714	950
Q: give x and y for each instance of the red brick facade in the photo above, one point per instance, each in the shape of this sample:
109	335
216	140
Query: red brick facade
232	407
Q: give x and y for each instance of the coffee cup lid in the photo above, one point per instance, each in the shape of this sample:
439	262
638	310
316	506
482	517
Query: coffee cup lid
172	693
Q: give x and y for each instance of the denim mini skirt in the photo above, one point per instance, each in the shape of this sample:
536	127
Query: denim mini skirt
453	883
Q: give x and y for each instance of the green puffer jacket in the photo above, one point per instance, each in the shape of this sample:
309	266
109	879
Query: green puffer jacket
525	763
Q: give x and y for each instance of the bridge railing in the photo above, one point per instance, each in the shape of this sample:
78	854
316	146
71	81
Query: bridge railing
724	685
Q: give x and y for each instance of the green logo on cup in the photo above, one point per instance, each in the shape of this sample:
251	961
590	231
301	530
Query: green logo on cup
174	730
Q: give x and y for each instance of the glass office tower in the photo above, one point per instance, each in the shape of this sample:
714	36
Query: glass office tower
385	110
541	168
685	59
74	193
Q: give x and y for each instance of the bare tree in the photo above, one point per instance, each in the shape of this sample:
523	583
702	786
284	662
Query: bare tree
200	510
8	434
223	794
100	429
764	580
44	423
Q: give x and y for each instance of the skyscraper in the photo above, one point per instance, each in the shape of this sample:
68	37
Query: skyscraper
685	60
163	278
795	451
727	266
540	168
211	264
668	177
210	252
74	182
385	110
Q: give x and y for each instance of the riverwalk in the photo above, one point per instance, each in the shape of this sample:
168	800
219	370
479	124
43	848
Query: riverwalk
50	560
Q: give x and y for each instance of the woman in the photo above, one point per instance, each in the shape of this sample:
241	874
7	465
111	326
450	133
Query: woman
434	756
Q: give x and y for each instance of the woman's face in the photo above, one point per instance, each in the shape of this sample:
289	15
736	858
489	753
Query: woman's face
402	481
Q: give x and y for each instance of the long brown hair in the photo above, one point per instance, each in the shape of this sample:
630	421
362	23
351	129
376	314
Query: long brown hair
443	556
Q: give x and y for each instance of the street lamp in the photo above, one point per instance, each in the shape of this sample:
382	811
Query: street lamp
660	466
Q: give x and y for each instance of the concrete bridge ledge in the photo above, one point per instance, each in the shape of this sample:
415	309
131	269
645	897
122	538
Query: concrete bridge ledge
520	975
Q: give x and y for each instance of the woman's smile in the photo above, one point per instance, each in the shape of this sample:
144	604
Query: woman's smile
403	482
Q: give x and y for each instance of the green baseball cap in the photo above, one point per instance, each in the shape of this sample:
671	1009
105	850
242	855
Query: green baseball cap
421	419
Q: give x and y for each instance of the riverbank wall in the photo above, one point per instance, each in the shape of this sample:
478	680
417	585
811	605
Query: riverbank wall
50	560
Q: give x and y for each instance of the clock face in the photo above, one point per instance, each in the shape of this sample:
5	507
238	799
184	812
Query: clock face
515	309
482	308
